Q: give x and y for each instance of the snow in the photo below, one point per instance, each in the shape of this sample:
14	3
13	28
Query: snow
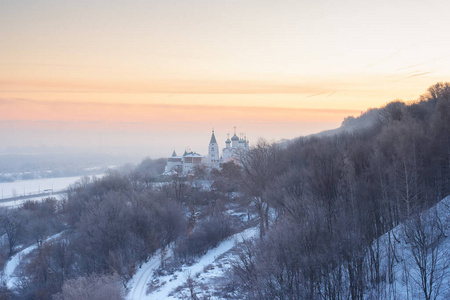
35	186
29	189
14	261
143	275
406	275
211	268
170	282
16	203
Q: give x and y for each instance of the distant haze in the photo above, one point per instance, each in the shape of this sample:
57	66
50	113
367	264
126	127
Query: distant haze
150	77
158	138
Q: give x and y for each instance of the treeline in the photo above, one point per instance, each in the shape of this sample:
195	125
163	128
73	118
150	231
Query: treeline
323	201
95	239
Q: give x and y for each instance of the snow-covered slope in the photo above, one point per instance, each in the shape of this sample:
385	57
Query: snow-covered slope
140	280
14	261
174	285
418	255
400	264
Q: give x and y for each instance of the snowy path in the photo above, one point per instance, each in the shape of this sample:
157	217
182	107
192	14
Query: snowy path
12	264
142	276
170	282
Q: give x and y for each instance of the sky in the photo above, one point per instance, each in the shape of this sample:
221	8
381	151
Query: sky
150	77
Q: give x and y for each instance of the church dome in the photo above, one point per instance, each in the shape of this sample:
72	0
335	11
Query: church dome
235	138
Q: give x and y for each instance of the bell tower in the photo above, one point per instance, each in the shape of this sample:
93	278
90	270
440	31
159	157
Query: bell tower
213	152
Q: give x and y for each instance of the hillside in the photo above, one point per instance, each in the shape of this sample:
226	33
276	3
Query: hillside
208	277
327	199
419	250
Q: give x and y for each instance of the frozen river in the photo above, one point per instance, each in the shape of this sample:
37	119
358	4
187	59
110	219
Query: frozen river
35	186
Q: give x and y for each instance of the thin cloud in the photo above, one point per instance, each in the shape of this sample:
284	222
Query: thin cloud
331	94
413	75
158	87
383	60
422	63
390	56
316	94
138	113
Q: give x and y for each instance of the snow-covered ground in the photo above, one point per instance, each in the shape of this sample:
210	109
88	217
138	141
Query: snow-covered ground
209	266
35	186
14	261
20	201
406	277
209	269
29	189
140	280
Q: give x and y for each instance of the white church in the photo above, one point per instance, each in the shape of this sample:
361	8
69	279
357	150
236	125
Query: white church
185	163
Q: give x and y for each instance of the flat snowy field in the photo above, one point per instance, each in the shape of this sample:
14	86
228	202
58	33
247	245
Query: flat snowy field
35	186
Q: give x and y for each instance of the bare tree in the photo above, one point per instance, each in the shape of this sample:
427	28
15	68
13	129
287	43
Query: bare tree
424	234
260	167
13	225
191	283
92	287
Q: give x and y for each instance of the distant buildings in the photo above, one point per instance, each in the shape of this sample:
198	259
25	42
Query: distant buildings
234	146
185	163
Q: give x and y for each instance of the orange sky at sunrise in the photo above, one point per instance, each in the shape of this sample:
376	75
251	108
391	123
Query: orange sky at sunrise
150	77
